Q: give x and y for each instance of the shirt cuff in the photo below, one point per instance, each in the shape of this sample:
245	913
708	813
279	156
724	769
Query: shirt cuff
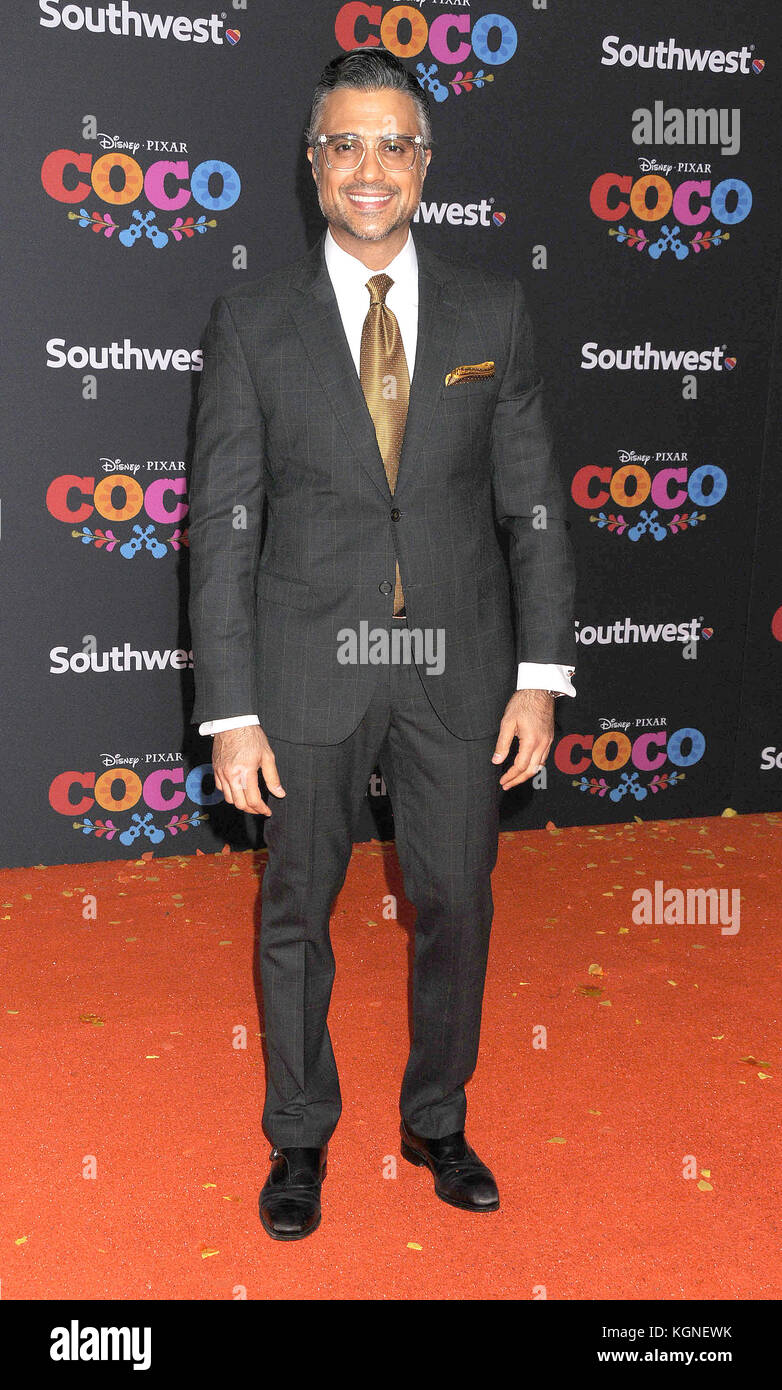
217	726
535	675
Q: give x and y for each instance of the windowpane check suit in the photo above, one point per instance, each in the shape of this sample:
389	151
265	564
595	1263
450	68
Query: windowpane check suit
283	424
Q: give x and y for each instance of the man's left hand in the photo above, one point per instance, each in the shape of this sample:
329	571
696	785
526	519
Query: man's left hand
529	717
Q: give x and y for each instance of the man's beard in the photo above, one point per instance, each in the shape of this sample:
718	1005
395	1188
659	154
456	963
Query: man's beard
339	219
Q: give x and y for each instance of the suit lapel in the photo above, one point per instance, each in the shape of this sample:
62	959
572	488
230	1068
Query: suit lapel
439	305
316	314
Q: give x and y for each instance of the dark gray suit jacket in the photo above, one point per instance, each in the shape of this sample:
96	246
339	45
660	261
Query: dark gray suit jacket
282	419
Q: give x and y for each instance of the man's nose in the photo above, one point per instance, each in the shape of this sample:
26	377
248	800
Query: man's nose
371	168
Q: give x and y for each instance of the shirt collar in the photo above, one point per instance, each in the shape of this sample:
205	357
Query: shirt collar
345	269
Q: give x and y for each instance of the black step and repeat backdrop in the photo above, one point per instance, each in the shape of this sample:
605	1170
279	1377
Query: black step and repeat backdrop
622	158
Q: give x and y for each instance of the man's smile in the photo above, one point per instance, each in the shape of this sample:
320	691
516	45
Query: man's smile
369	202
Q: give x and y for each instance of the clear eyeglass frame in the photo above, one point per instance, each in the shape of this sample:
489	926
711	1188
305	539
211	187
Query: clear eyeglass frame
364	140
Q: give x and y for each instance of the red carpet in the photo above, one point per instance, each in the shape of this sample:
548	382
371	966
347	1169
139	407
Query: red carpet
662	1043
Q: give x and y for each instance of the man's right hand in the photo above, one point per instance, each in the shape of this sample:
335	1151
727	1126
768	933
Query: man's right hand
237	757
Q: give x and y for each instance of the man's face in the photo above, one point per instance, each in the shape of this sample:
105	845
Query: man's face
369	203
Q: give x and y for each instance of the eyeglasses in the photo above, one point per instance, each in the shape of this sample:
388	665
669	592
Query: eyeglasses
396	153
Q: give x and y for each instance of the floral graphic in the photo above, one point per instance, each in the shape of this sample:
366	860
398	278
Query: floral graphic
648	523
100	222
141	825
461	82
143	226
188	226
628	785
669	240
143	538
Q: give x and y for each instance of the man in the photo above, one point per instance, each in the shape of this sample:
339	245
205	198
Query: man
383	403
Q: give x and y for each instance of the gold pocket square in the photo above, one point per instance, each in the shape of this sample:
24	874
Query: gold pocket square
469	372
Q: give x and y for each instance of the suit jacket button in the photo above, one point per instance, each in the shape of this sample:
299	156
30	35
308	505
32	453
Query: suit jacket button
395	514
385	587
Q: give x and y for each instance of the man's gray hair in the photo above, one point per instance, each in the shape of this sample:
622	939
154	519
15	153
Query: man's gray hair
369	70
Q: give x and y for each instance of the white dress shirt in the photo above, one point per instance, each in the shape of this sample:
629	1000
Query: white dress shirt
349	277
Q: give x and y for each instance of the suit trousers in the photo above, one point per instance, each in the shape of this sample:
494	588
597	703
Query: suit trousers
444	793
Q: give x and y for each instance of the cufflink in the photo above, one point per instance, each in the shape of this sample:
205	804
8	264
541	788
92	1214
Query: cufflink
469	372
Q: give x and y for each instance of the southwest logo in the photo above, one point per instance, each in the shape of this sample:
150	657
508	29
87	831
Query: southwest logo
233	35
669	57
758	64
123	21
460	214
730	363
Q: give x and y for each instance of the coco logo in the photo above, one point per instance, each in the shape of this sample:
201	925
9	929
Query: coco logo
450	38
685	203
612	750
689	496
117	498
120	788
119	178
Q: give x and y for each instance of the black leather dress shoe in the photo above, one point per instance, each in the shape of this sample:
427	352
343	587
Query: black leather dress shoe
459	1176
290	1199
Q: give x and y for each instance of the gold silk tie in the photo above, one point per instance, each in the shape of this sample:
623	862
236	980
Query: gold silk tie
386	386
